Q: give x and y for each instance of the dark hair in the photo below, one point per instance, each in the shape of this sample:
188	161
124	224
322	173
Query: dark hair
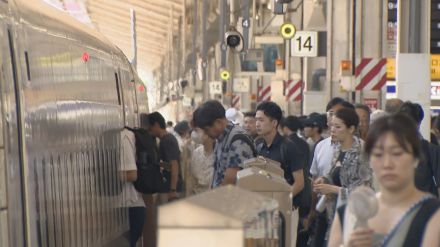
333	102
169	123
271	110
363	107
249	114
437	122
293	123
207	113
182	127
347	104
156	117
393	105
412	110
143	119
348	116
402	127
315	120
194	119
324	120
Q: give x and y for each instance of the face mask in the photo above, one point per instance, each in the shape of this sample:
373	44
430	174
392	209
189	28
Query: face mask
196	137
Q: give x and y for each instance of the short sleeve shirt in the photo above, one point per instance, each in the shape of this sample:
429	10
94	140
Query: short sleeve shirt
169	151
322	158
304	151
169	148
290	162
130	197
202	169
229	155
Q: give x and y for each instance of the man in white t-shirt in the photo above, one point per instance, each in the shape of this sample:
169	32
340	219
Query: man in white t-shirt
323	155
130	198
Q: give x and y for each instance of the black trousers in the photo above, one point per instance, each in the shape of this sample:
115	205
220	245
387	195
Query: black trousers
136	216
319	230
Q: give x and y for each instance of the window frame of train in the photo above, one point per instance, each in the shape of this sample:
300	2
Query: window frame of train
304	44
118	91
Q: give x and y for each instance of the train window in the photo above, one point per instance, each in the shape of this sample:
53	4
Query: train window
248	65
117	88
270	55
28	71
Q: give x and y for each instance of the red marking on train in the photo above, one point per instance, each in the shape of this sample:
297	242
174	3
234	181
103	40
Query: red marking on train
85	57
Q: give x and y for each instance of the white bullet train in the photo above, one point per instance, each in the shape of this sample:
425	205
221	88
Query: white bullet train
65	94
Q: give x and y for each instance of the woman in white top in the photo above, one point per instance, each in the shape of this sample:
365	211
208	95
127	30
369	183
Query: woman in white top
406	216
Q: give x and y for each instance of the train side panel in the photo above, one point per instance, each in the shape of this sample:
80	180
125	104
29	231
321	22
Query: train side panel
75	93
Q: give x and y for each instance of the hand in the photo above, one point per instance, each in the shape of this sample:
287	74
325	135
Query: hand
173	196
361	237
319	180
326	189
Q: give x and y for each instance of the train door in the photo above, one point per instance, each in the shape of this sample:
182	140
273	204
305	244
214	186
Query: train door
12	213
129	98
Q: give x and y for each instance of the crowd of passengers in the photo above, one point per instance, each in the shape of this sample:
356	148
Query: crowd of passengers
322	155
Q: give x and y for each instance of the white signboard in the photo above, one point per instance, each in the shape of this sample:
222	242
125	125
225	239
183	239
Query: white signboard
186	101
241	85
435	90
304	44
215	87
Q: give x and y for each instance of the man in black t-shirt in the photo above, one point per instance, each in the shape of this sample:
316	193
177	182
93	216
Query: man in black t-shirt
276	147
169	153
290	127
268	117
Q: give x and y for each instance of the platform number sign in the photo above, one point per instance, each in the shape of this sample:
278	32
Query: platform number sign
215	87
304	44
245	23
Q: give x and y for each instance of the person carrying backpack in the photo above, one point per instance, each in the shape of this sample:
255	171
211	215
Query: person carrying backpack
233	145
130	198
169	154
276	147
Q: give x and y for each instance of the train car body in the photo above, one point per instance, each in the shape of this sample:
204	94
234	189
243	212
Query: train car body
65	94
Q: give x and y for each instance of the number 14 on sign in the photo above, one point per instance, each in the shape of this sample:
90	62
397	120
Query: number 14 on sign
304	44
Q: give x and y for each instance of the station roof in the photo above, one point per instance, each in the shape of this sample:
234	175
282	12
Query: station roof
154	20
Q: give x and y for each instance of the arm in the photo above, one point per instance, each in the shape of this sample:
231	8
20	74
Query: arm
314	166
127	170
432	232
171	155
128	176
362	237
335	239
298	186
239	152
230	176
174	174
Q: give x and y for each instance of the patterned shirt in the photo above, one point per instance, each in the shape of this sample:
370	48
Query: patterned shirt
229	155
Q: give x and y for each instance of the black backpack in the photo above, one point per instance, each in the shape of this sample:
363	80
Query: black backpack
150	179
